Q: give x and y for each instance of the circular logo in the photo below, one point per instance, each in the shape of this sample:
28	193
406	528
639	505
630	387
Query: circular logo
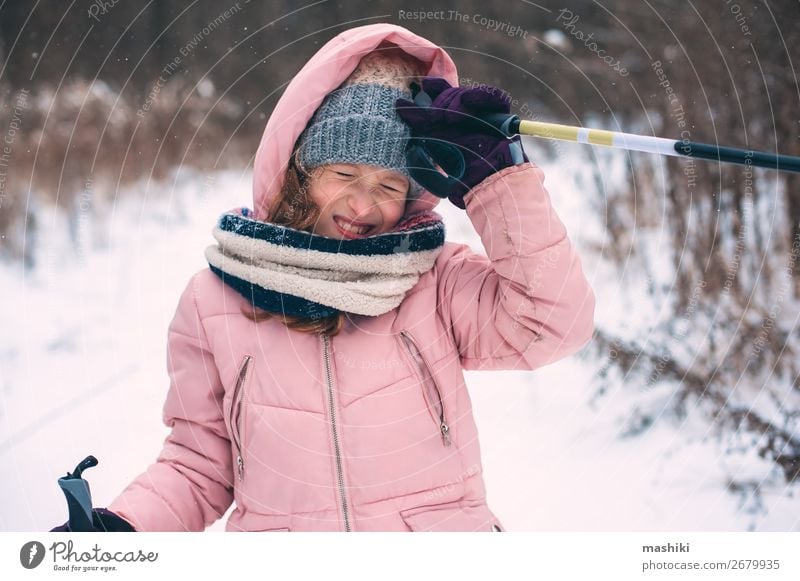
31	554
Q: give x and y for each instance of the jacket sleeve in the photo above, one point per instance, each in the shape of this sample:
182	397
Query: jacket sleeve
190	485
527	303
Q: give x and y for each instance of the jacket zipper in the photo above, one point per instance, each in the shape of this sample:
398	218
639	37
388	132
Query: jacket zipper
237	428
422	365
339	473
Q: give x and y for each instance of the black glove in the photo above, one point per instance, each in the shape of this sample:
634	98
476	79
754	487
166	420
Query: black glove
103	521
452	117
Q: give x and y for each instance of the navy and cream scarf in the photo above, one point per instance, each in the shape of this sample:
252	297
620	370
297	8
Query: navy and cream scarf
287	271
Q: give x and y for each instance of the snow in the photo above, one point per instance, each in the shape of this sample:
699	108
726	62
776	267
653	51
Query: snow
556	38
83	371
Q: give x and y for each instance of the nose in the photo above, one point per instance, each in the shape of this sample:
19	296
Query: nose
362	202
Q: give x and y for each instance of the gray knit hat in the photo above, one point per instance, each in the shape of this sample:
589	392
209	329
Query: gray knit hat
357	122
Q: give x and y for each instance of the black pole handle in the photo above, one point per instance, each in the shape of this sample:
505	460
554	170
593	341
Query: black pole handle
505	123
88	462
79	497
774	161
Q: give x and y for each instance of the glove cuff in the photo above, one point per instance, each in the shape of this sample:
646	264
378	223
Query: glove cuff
106	521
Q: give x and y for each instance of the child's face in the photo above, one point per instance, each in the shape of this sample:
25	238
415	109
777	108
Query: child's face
367	194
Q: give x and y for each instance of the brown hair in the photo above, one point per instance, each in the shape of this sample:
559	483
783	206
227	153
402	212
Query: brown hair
293	207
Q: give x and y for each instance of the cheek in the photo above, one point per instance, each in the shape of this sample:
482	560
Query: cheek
321	195
394	211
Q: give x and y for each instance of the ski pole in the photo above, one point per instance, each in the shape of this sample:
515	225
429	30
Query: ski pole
511	125
79	497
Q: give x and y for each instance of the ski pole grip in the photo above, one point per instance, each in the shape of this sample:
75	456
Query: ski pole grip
505	123
79	497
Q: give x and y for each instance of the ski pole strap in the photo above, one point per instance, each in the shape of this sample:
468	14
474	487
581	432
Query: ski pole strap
422	158
423	155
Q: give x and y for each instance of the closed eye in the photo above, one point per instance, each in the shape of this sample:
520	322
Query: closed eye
390	188
347	175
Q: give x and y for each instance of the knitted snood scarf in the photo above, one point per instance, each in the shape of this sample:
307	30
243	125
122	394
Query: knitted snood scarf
287	271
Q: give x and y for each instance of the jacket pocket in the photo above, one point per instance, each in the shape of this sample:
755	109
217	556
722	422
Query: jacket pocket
236	419
458	516
276	530
261	523
430	389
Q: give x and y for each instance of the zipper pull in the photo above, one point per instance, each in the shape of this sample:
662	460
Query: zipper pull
445	433
240	466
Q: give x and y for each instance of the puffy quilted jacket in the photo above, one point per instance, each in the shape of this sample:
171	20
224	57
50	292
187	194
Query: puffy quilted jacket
372	429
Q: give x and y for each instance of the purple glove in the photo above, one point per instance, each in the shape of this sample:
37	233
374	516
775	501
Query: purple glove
452	118
103	521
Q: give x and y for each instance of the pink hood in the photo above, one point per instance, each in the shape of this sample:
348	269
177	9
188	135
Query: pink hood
323	73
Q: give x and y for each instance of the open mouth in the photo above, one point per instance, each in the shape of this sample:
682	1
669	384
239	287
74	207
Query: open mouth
350	230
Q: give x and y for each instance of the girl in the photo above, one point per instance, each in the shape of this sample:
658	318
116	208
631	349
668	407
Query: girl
316	365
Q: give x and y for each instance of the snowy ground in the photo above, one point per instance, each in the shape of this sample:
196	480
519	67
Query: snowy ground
82	371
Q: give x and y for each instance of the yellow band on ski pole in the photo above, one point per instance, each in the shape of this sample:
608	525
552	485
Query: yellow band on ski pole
567	132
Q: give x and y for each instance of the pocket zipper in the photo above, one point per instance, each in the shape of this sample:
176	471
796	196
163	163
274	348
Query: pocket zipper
422	366
237	427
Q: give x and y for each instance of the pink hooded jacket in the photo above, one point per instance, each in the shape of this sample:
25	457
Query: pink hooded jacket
370	430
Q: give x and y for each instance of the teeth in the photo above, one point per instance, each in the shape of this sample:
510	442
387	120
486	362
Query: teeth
353	229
